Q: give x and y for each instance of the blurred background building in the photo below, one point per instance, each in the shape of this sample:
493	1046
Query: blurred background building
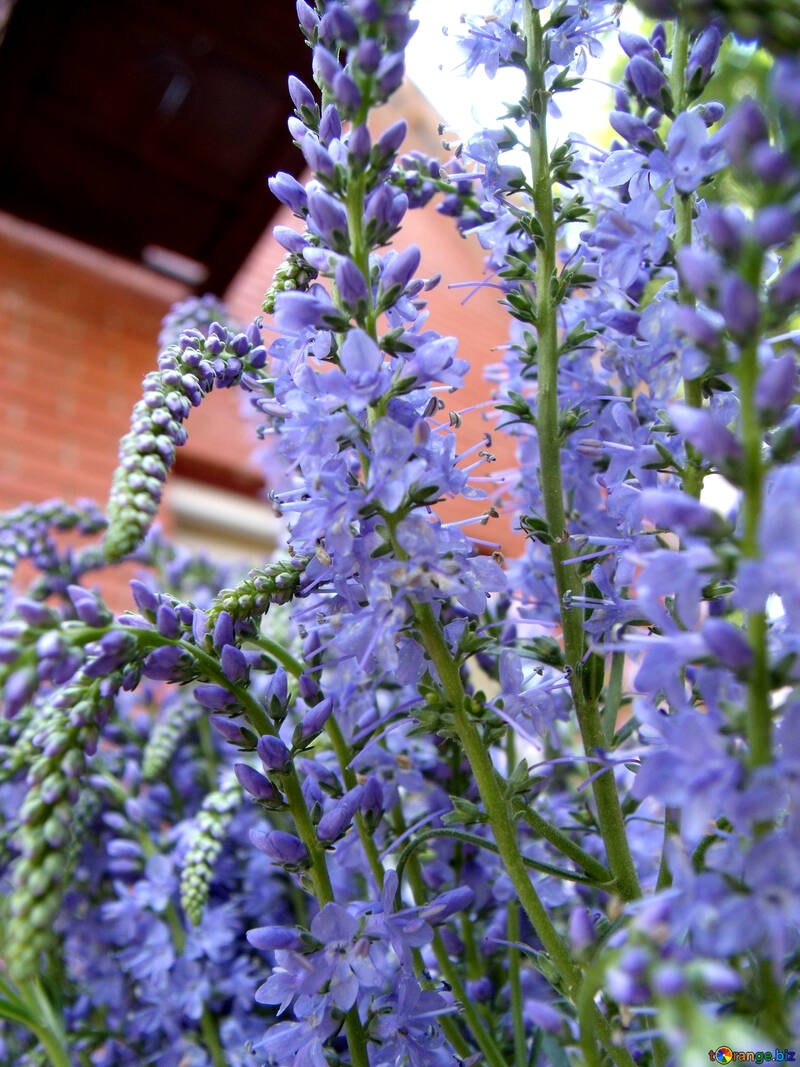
138	137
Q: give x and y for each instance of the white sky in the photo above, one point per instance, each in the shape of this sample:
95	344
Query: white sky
434	62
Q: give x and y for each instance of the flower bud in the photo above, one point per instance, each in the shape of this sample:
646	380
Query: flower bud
702	57
214	697
350	283
164	664
728	644
273	753
281	847
234	663
581	929
774	225
223	630
712	440
647	79
633	44
289	191
739	305
447	904
272	938
786	289
726	227
254	783
633	129
776	387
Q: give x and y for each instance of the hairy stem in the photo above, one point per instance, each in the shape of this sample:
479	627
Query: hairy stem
609	810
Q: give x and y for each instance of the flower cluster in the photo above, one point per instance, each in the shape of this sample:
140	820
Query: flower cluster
393	800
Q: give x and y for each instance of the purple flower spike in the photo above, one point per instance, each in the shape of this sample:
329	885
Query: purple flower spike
359	144
718	978
698	326
711	439
776	387
372	802
325	65
728	644
700	270
669	980
692	155
34	612
334	822
368	55
281	847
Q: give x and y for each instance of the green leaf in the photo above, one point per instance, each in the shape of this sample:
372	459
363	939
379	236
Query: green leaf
16	1012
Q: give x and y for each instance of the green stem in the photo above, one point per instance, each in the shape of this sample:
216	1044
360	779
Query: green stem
279	654
48	1028
613	696
504	826
672	825
568	581
481	842
359	249
558	839
759	717
497	809
683	208
343	757
484	1039
513	935
208	1028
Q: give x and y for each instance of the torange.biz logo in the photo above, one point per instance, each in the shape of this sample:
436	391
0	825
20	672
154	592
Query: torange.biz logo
727	1055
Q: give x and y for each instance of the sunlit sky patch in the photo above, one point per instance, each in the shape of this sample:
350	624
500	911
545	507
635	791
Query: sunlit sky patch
435	62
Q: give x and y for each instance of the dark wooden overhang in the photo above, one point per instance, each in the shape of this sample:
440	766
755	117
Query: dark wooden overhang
148	128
